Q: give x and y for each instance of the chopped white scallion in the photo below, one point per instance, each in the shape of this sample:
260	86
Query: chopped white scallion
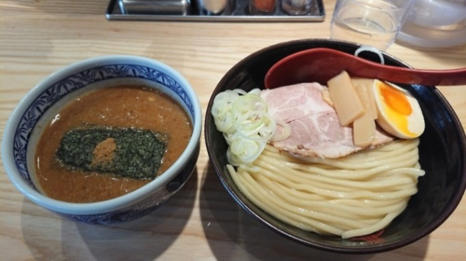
283	132
246	125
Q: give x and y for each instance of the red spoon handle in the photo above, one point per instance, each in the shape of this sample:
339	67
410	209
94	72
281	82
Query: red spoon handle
321	64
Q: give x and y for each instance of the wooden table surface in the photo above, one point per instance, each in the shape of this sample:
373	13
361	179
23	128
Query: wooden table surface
201	222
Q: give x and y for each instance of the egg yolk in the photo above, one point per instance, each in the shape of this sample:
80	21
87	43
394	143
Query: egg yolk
397	106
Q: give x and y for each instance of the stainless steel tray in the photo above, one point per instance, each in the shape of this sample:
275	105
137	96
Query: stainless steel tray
239	14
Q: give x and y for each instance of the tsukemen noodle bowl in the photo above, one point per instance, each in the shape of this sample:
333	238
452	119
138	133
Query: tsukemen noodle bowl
104	140
428	178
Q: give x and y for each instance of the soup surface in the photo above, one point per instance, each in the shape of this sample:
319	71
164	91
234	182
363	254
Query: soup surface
121	106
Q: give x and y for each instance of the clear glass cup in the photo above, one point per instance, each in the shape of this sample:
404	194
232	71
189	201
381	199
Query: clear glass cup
370	22
435	24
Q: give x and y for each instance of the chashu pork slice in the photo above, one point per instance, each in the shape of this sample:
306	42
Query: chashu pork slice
315	130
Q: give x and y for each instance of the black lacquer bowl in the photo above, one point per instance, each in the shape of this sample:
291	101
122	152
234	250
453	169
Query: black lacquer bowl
442	156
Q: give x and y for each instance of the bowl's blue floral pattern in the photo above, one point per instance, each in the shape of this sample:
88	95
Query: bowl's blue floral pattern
75	82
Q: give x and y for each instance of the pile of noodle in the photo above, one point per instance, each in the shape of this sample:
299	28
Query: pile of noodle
351	196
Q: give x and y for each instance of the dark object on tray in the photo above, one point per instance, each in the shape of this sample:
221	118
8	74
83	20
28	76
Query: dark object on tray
162	7
126	152
442	155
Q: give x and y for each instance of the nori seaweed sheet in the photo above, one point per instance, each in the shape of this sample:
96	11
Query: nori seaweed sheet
138	152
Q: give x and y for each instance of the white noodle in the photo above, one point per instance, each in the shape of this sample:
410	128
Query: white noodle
352	196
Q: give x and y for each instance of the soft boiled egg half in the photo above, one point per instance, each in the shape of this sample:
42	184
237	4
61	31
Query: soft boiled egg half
399	112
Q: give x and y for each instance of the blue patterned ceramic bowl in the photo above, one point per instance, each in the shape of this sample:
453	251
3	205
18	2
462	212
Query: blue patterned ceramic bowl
49	96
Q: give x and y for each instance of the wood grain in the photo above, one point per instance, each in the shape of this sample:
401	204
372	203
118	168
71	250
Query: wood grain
202	222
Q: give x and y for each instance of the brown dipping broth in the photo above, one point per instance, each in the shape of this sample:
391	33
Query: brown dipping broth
122	106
